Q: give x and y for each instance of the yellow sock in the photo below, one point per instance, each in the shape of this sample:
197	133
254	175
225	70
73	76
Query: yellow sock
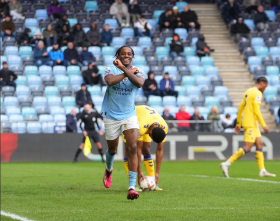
149	165
238	154
259	158
125	163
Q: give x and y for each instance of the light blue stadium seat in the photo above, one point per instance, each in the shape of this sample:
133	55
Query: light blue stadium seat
181	5
194	40
118	42
108	51
181	90
68	101
34	127
155	101
45	71
270	91
48	127
152	22
41	14
257	41
262	52
157	14
221	91
12	110
45	118
146	69
253	62
197	70
34	81
39	102
54	101
193	91
10	101
272	70
111	22
97	101
14	61
249	23
167	40
173	110
212	71
63	48
158	79
127	33
51	91
274	52
230	110
162	52
193	60
31	70
72	21
59	70
31	23
145	42
101	69
188	81
184	101
109	60
270	14
182	32
204	110
190	110
22	91
21	81
59	118
73	70
207	61
57	110
27	111
62	81
172	70
276	115
33	30
203	81
25	51
3	58
4	118
19	128
69	109
138	51
94	90
169	101
96	51
91	6
104	88
76	80
139	60
86	29
11	50
15	118
49	48
275	80
211	101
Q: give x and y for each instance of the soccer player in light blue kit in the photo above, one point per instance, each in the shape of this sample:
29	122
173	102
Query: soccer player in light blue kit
119	113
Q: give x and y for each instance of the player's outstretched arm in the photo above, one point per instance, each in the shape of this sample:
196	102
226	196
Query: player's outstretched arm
159	155
112	79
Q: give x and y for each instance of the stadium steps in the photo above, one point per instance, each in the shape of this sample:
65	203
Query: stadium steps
228	59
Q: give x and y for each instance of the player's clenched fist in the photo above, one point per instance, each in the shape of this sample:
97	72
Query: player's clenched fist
118	63
135	71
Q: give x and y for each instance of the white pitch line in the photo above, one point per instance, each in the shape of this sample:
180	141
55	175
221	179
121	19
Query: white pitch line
14	216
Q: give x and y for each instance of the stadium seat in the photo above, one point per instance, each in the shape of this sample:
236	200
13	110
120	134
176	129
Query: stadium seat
57	110
118	42
212	71
34	81
202	81
45	118
144	68
181	5
207	61
4	118
162	52
157	13
138	51
127	33
40	102
131	41
95	50
94	90
59	118
270	91
150	51
139	60
203	110
109	60
41	14
155	101
59	70
73	70
230	110
226	102
253	62
14	61
193	60
48	127
207	91
31	70
54	101
22	91
274	52
141	101
152	60
12	110
8	91
25	102
51	91
45	70
249	23
34	127
152	22
182	32
111	22
270	14
181	90
166	61
183	101
97	101
172	70
91	6
10	101
221	91
197	70
180	61
159	42
28	111
19	127
6	127
48	81
169	101
166	32
69	109
262	52
76	80
211	101
62	81
31	23
72	21
145	42
272	70
256	42
21	81
68	101
108	51
65	91
275	81
11	50
193	91
183	71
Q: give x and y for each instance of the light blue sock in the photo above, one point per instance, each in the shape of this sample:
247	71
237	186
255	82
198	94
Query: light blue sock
109	160
132	179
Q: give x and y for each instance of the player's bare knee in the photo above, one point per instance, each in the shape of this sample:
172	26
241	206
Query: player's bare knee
132	149
112	151
146	151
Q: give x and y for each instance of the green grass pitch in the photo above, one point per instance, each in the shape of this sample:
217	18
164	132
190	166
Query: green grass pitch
66	191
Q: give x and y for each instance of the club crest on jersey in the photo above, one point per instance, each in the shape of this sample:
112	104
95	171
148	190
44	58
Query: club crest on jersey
107	70
86	116
93	119
258	98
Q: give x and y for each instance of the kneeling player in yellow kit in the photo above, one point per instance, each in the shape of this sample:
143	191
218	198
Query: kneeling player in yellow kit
250	107
151	127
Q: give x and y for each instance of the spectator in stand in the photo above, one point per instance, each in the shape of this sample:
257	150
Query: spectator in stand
275	4
143	28
150	86
64	36
251	5
240	29
134	11
7	77
62	22
56	55
183	115
41	55
91	75
106	36
86	56
71	122
24	38
79	36
198	126
189	19
120	10
38	36
8	28
167	86
93	36
167	116
230	11
55	10
4	9
16	10
227	122
261	20
165	19
50	35
215	118
176	19
202	49
71	56
83	96
176	47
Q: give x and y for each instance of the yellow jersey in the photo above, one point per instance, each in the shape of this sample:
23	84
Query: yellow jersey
250	107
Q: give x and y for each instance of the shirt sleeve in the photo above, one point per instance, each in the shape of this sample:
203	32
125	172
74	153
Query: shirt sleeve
256	107
109	71
240	111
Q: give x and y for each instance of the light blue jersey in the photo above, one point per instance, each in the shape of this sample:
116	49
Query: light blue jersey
118	103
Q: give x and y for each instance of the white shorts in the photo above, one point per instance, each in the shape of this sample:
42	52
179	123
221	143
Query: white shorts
115	128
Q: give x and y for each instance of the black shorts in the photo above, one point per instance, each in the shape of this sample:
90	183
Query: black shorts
93	135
